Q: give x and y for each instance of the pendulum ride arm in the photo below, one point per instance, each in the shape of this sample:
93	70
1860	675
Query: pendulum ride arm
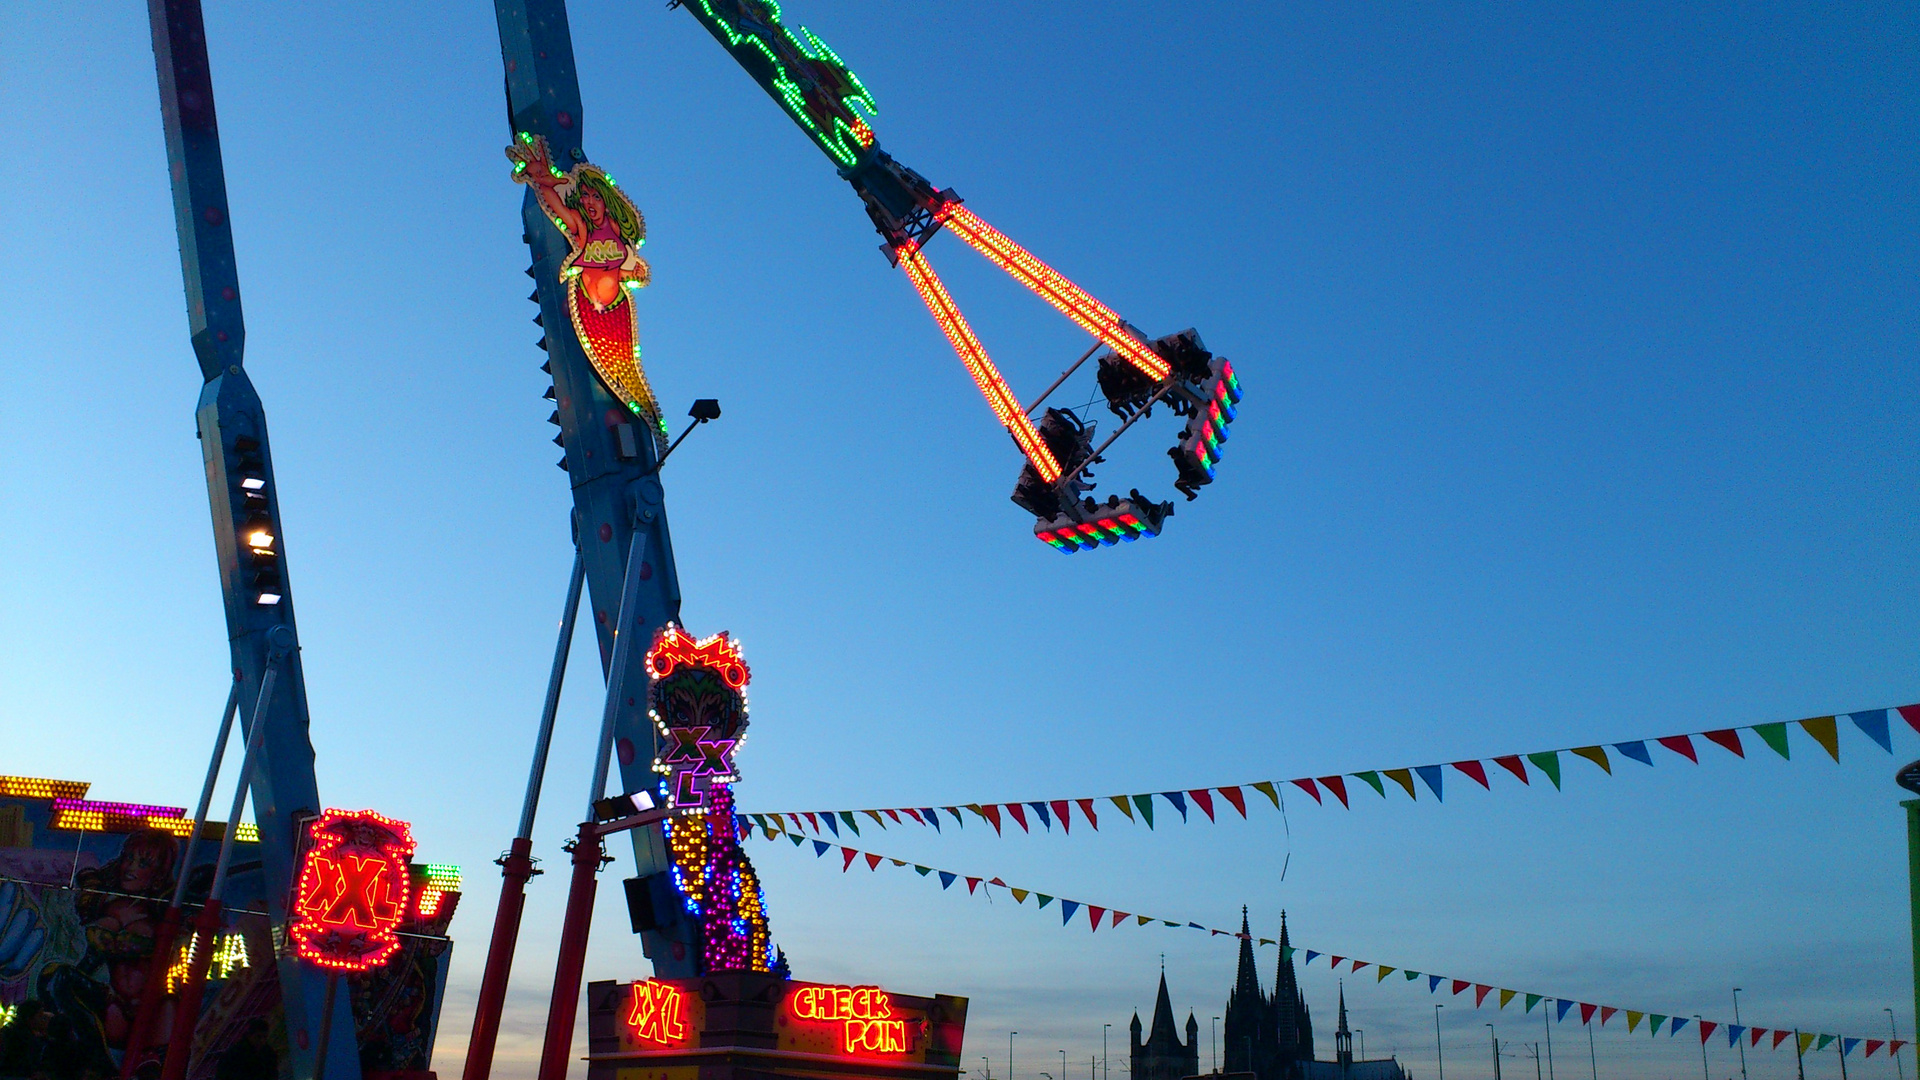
246	516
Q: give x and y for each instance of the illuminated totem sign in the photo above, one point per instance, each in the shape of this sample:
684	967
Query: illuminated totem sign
806	77
657	1014
605	231
699	705
863	1016
353	890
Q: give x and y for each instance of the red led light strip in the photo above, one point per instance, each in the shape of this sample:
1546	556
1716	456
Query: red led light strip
974	356
1073	302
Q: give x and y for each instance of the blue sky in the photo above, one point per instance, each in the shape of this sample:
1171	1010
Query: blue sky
1580	352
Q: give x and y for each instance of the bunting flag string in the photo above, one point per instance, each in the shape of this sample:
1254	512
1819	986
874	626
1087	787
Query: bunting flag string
1098	917
1547	764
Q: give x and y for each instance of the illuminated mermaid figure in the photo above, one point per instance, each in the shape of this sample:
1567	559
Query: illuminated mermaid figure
606	232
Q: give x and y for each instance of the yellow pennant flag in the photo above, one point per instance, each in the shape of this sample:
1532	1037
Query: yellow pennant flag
1403	777
1806	1038
1595	754
1505	996
1823	731
779	820
875	815
898	862
1265	787
1121	802
1383	972
1019	895
1143	919
1633	1020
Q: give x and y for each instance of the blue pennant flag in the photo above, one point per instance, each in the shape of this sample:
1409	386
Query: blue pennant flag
1678	1023
1046	819
1431	774
1636	750
1067	908
1847	1045
820	848
832	826
932	817
1873	723
1433	981
1178	800
1734	1031
1564	1006
1310	955
947	878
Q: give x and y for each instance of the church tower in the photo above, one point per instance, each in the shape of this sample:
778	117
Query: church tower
1342	1038
1292	1024
1249	1031
1163	1056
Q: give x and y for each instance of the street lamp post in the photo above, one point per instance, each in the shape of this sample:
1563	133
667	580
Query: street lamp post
1362	1032
1104	1075
1743	1046
1439	1055
988	1064
1496	1051
1063	1065
1215	1051
1546	1017
1593	1059
1010	1036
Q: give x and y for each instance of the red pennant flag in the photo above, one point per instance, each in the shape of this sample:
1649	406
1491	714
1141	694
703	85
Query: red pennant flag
1681	745
1894	1046
1335	962
847	855
808	814
1358	964
1086	807
1232	795
1203	798
972	884
894	814
1094	912
1911	714
996	881
1473	769
1480	991
1780	1037
1586	1012
1307	786
1019	814
1512	764
1120	917
1706	1029
991	812
1062	810
915	815
1337	785
1459	985
873	861
1728	738
1756	1033
1606	1014
1874	1044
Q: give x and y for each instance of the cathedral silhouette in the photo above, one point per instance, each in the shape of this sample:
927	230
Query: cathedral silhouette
1265	1036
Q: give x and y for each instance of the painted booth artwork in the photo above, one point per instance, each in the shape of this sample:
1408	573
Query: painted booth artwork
605	231
83	891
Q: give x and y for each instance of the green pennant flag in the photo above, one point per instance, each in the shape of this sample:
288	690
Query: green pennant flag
1412	975
1822	1044
1774	735
1145	803
847	816
1043	898
1532	1000
923	871
1654	1020
1549	763
1286	954
797	839
1372	780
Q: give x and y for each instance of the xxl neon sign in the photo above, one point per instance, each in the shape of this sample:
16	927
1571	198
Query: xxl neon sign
864	1013
353	891
657	1013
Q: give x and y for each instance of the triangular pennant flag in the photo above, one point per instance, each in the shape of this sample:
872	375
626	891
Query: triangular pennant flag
947	879
1681	745
1459	985
915	815
875	815
1266	941
923	871
1203	798
1548	762
1780	1035
1473	769
1873	724
1372	780
898	862
1727	738
1265	787
1753	1037
1633	1020
972	884
832	825
1825	733
1309	787
1334	962
1734	1031
1847	1045
1824	1040
821	847
847	855
873	861
1067	908
1706	1029
1597	755
1911	714
1019	895
991	812
760	820
933	818
1563	1005
1894	1046
1505	996
1532	1000
1142	920
1586	1012
779	820
1040	811
847	816
1480	991
811	820
1125	806
1042	899
1636	750
1775	736
1118	918
1358	964
1094	914
1606	1014
1653	1024
1179	801
1145	804
1433	982
1086	807
1310	955
1874	1044
1236	797
1019	814
1337	785
996	881
1430	774
1063	810
1411	975
1678	1023
1403	777
1381	972
1511	763
797	839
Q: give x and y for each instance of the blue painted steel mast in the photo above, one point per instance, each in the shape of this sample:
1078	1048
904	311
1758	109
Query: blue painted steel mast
232	428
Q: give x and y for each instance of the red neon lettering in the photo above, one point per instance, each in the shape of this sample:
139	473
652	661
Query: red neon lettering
876	1037
832	1004
348	892
657	1014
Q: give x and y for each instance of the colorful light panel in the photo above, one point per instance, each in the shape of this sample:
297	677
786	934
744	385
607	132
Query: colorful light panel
809	79
1100	532
29	787
1069	299
974	356
1207	428
353	890
431	882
